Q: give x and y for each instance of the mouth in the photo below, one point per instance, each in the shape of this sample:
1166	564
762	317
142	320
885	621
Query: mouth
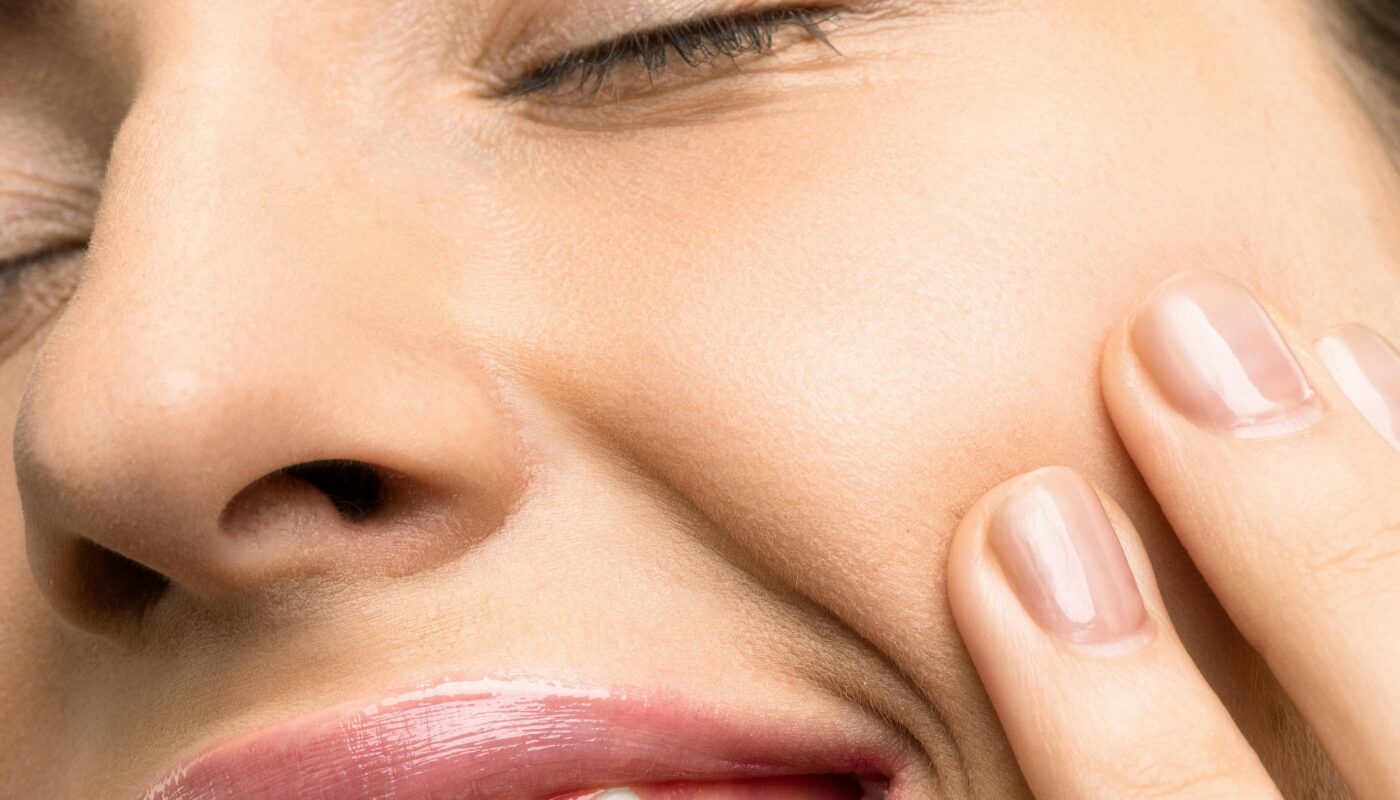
529	740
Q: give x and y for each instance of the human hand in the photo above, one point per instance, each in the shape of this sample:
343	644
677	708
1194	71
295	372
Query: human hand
1265	456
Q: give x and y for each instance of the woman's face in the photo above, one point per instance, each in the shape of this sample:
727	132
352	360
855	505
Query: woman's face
674	389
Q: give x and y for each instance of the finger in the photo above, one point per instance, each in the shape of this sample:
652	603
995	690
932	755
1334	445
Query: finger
1367	369
1286	498
1065	625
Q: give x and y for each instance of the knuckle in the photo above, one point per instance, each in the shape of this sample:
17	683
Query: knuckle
1159	770
1363	550
1361	559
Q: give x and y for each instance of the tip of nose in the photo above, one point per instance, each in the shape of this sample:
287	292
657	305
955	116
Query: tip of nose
233	500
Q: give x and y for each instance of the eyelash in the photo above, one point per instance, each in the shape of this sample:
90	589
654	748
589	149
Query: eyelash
13	266
696	43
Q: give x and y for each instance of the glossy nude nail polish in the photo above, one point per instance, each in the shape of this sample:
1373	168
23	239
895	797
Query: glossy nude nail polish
1367	368
1064	561
1218	358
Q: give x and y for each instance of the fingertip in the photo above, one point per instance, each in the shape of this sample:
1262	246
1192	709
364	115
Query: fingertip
967	553
1051	544
1220	359
1135	405
1366	367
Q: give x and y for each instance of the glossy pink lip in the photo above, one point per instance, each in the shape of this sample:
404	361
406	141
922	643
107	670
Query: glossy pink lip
502	740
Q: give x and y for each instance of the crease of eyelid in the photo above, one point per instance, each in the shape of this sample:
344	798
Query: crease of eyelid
701	103
41	211
535	36
708	100
32	295
757	35
29	239
485	73
35	210
694	87
61	249
42	186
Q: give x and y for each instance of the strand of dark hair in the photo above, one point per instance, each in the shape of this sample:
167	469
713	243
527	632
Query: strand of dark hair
1372	31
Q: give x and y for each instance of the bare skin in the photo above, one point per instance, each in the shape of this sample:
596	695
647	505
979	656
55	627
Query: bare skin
709	374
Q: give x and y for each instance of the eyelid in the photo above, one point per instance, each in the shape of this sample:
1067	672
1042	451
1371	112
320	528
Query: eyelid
42	224
35	257
670	41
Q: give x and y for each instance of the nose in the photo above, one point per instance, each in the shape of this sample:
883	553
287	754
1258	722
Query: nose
250	393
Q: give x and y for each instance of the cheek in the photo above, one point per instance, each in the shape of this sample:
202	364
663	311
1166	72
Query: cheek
891	301
832	369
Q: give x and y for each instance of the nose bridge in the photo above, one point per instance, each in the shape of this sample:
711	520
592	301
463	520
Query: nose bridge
219	276
253	167
222	167
239	316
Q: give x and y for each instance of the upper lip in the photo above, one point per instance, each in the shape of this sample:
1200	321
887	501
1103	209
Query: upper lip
507	739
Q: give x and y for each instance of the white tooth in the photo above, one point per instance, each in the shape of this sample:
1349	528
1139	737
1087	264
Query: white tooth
620	793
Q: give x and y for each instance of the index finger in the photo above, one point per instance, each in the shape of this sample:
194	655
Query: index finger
1287	499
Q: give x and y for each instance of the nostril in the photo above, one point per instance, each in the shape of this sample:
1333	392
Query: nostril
355	488
104	590
119	587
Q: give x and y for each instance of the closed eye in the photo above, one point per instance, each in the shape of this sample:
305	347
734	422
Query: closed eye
693	43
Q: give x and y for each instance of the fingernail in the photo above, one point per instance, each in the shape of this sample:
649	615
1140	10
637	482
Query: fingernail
1368	370
1218	358
1062	557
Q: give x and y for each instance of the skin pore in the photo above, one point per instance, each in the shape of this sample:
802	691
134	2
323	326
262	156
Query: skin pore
683	384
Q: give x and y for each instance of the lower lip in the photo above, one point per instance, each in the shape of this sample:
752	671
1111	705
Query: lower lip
504	740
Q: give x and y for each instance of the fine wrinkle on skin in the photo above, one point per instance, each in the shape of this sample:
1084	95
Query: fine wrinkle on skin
807	426
892	686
